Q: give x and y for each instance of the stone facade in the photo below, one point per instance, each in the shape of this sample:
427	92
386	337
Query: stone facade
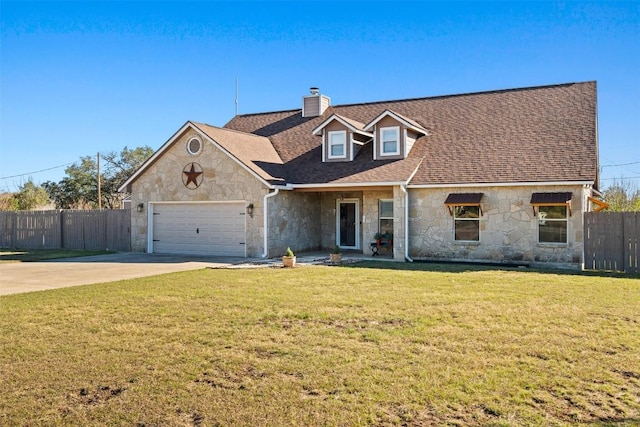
306	221
293	222
370	215
223	180
508	227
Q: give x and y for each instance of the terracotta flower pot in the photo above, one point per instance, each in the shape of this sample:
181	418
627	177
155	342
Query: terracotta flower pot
335	258
289	261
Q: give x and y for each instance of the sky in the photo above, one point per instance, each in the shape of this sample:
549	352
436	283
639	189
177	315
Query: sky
88	77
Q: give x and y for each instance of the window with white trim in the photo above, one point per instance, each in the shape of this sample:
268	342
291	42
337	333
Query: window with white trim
337	144
390	140
466	223
385	217
194	145
553	223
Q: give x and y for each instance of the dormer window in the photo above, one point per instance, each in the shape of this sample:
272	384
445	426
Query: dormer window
390	137
342	138
337	144
393	135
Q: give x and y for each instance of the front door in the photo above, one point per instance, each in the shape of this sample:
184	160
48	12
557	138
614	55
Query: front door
347	224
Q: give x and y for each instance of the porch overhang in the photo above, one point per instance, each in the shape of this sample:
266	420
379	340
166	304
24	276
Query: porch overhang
333	187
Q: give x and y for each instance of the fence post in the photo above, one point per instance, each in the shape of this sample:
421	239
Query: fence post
61	229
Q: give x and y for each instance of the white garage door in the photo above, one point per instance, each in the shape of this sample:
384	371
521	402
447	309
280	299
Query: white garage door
199	228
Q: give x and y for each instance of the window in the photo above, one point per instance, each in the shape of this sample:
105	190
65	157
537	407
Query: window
466	221
390	140
194	145
337	144
552	224
385	217
553	211
466	210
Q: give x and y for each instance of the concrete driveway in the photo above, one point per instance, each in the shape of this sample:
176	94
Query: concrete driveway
37	276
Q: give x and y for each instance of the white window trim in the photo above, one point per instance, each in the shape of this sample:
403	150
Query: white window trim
375	143
405	146
351	146
380	217
566	220
194	153
465	219
397	150
344	144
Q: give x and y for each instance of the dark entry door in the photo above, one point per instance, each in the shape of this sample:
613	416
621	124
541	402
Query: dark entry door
348	226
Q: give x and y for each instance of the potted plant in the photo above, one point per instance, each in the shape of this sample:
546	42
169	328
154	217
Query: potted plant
377	238
336	256
289	259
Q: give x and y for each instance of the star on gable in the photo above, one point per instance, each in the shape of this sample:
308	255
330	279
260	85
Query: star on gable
192	176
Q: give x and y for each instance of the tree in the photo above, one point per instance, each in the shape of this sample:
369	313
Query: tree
622	196
29	196
117	169
79	188
6	201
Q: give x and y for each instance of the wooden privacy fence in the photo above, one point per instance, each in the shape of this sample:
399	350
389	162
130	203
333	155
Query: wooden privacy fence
67	229
612	241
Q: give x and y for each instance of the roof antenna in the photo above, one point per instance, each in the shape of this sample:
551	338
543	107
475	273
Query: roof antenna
236	96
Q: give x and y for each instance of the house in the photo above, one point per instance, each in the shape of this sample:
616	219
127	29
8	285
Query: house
497	176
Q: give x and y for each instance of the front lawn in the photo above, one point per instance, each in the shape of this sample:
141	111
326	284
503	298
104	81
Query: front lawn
375	344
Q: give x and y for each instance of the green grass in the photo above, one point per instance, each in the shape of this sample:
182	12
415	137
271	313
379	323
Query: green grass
373	344
27	255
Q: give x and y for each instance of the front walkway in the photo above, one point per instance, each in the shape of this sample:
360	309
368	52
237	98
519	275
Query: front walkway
310	258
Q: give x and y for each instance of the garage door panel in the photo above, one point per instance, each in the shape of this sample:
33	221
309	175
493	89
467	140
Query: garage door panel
199	228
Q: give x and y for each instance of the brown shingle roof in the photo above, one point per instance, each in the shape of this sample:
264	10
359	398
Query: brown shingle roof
538	134
256	152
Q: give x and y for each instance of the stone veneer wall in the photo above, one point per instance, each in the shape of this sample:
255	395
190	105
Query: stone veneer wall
508	228
370	211
293	222
223	180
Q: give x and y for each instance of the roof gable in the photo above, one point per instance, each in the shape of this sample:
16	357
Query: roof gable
408	123
352	125
253	153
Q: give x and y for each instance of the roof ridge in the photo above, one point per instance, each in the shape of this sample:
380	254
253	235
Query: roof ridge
420	98
228	129
295	110
485	92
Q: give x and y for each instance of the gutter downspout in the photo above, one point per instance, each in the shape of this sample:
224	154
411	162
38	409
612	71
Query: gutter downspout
265	223
406	223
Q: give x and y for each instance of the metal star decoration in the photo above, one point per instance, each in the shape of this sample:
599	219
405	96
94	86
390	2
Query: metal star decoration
191	175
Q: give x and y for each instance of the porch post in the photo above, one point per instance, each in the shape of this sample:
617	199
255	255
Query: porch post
399	222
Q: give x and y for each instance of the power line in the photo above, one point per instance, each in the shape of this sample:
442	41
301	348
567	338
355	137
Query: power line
620	164
42	170
622	178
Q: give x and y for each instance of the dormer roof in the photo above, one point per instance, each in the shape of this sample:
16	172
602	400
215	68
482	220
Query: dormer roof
353	125
408	123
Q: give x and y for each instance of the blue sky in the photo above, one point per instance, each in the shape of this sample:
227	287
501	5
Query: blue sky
78	78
